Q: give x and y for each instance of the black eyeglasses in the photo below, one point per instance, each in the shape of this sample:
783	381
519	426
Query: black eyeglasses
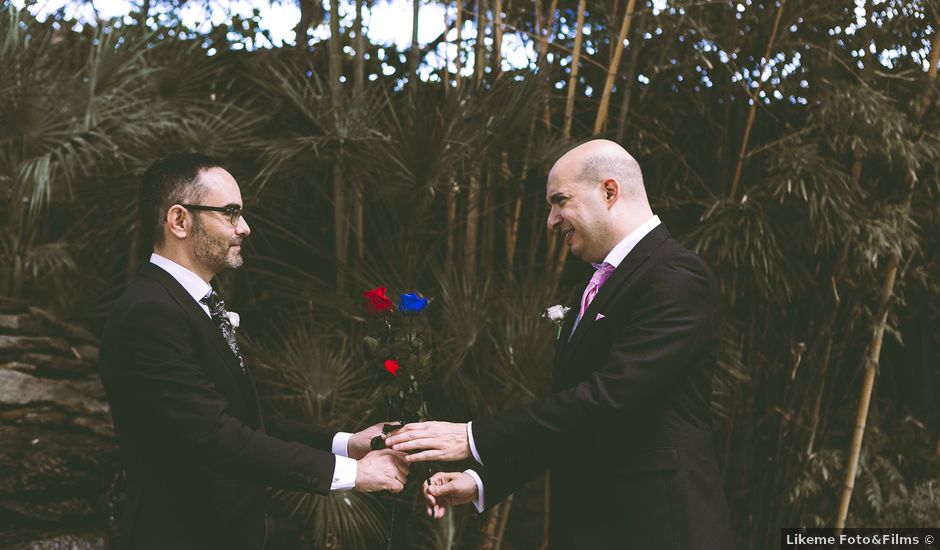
234	212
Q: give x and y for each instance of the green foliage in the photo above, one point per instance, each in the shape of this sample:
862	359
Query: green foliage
445	192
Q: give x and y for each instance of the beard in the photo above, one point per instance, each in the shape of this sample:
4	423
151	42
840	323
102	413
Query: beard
215	253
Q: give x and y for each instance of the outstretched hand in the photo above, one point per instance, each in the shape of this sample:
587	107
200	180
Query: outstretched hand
383	470
445	441
361	442
445	489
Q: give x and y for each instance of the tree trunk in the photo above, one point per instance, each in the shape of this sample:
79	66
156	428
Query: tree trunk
479	61
887	292
458	61
629	80
473	222
359	71
415	51
498	38
451	221
340	224
575	62
308	11
601	121
752	112
144	14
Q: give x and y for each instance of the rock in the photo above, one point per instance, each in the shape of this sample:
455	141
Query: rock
11	344
18	366
38	461
56	366
55	510
17	388
78	334
35	415
100	425
80	541
88	353
22	324
12	305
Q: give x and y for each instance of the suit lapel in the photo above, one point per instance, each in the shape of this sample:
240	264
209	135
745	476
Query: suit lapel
206	325
640	253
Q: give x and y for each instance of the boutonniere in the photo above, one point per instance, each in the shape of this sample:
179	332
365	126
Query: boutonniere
556	314
233	319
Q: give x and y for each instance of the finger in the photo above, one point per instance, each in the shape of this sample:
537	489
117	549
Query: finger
395	487
417	444
424	456
439	512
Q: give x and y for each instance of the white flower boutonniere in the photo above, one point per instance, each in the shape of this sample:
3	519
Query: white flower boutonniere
233	319
556	314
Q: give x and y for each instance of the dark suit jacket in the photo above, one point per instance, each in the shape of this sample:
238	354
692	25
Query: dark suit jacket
198	454
627	432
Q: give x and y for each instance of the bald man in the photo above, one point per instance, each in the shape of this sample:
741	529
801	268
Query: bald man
627	430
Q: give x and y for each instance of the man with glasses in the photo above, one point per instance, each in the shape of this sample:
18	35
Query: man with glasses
198	453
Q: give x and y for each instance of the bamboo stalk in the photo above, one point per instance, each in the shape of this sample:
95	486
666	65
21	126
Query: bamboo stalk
340	223
503	521
498	38
359	71
458	61
478	61
415	49
473	222
887	292
752	112
601	121
451	220
575	63
629	81
546	510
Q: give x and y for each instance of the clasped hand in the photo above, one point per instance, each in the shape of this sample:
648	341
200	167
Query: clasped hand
444	441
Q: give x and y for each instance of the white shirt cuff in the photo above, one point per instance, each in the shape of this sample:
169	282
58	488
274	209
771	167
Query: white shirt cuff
473	448
344	474
341	443
478	503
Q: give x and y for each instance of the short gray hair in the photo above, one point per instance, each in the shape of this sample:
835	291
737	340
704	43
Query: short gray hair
625	170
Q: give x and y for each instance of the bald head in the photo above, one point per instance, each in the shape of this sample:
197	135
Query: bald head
598	160
597	197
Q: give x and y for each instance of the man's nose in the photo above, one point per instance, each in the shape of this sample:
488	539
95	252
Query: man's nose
553	220
242	228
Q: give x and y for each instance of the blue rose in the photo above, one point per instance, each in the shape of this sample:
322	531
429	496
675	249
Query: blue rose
412	303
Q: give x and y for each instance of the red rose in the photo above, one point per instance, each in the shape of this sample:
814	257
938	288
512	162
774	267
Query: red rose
377	302
392	366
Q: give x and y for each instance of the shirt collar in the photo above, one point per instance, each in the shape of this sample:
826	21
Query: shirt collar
194	284
629	242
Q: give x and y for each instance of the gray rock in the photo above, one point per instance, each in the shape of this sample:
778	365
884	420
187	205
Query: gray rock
37	460
12	305
78	334
22	324
18	366
85	397
81	541
88	352
54	510
9	344
55	366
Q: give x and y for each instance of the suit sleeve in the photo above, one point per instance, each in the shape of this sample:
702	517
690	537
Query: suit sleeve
671	325
312	435
180	406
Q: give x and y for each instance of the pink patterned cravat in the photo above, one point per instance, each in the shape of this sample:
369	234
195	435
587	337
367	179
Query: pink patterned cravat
597	281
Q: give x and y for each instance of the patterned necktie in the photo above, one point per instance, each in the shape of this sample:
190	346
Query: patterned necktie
220	316
597	281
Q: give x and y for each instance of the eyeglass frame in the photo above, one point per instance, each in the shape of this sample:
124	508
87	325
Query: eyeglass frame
234	211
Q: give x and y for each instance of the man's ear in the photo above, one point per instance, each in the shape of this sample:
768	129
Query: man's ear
179	222
611	191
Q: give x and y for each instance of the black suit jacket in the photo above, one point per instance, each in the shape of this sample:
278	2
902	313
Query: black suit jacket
198	454
627	432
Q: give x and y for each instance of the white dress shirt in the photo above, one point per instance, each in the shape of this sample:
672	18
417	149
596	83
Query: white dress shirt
614	258
344	473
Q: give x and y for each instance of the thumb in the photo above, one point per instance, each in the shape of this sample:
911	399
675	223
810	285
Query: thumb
444	490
